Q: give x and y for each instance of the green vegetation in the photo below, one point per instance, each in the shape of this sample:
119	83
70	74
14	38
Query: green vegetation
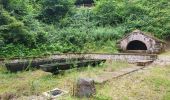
148	84
29	83
40	27
152	83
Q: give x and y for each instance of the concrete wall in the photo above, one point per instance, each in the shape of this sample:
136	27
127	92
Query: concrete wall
123	57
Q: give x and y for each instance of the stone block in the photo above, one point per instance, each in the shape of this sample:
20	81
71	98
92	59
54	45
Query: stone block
84	87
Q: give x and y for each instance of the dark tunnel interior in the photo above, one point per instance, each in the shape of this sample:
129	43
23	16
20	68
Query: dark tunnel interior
136	45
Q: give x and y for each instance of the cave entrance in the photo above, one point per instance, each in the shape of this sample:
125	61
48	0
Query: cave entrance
136	45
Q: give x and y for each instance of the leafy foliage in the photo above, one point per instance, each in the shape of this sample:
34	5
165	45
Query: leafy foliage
14	31
136	14
54	10
40	27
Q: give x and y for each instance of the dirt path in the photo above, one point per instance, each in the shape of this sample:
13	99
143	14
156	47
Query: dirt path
162	60
106	76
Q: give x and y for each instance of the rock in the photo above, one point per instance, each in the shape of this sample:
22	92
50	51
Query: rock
84	88
55	93
7	96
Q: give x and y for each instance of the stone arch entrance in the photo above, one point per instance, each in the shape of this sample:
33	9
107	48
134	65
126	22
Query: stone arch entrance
139	42
136	45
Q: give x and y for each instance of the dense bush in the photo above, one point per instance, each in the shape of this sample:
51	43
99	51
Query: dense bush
108	12
145	15
14	31
54	10
40	27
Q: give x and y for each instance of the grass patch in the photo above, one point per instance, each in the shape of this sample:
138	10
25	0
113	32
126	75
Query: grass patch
35	82
167	53
167	96
150	84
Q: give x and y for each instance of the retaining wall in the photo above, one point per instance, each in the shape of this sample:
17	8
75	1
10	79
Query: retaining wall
123	57
22	64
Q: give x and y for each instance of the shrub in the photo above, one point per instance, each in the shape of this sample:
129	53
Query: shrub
14	31
54	10
107	12
107	33
136	14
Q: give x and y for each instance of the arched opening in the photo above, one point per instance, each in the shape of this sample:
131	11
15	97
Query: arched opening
136	45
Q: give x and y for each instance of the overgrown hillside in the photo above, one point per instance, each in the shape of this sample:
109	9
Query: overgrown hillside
40	27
